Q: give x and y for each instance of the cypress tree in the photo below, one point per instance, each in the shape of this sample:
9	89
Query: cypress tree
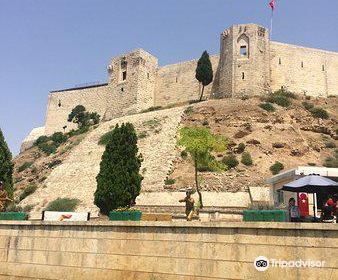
119	181
204	72
6	166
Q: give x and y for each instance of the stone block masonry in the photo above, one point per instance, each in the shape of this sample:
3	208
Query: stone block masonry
163	250
248	64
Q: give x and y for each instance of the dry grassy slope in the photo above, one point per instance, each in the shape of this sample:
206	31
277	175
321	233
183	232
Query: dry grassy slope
75	176
294	127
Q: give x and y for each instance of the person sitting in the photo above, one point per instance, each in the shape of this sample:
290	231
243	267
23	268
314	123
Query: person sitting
294	213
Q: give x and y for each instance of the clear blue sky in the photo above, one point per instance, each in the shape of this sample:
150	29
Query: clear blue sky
47	45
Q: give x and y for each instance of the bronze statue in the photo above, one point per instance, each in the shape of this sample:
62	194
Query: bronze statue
3	197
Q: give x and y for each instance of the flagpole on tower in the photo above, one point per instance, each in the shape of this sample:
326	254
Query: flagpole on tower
271	23
272	5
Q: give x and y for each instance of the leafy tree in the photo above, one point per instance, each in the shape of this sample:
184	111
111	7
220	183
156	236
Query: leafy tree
204	72
78	115
82	118
6	166
119	180
199	142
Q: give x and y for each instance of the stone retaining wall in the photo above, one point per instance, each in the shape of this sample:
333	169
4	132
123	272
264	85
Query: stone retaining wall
163	250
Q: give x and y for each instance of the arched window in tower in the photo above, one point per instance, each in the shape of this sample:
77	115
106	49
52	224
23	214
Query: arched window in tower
243	76
302	64
280	61
243	43
59	104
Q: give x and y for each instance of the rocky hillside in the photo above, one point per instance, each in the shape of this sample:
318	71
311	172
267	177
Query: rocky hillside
290	135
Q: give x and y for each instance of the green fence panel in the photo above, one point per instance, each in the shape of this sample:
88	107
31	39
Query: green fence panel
125	215
17	216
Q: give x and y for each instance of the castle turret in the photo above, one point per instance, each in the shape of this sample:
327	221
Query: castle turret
132	79
244	61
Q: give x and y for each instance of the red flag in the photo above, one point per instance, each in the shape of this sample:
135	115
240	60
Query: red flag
272	4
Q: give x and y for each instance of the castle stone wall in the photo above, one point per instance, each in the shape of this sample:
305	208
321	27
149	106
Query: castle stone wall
176	83
304	70
61	103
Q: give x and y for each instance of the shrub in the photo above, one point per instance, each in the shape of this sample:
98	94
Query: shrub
230	161
307	105
279	100
311	164
28	208
267	107
331	162
246	159
54	163
319	113
48	148
330	144
143	134
150	109
240	148
28	191
63	204
79	131
41	139
152	123
276	167
24	166
308	97
169	182
58	138
184	154
119	179
244	97
286	93
189	110
33	169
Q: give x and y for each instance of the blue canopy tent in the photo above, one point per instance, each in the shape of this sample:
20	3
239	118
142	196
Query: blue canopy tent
312	184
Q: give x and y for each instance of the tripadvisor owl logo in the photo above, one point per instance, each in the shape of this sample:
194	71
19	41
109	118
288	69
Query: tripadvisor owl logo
261	263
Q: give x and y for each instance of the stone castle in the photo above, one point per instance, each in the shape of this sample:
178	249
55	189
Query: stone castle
249	63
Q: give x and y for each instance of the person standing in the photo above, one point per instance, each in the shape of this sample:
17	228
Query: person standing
189	205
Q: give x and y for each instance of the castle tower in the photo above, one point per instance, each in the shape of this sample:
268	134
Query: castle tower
244	67
132	79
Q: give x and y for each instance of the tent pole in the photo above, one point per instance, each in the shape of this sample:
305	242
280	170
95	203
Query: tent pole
314	205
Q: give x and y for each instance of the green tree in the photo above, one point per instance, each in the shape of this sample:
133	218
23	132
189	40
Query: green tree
199	142
119	180
204	72
78	115
82	118
6	166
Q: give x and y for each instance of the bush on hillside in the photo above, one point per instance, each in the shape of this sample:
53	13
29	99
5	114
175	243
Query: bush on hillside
246	159
59	138
276	167
63	205
28	191
240	148
230	161
330	144
24	166
319	113
267	106
307	105
279	100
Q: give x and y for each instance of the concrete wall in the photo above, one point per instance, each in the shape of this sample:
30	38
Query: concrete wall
163	250
176	83
304	70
